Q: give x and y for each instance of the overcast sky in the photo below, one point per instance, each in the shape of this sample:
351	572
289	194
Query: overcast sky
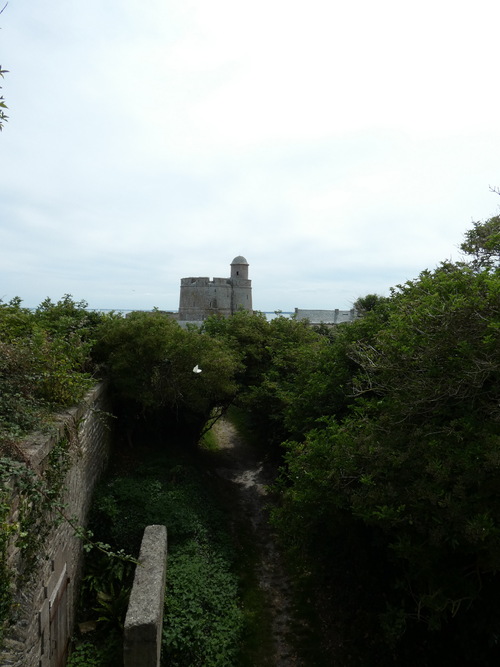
341	147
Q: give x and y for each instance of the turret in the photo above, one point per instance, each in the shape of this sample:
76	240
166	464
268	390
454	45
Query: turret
239	269
241	285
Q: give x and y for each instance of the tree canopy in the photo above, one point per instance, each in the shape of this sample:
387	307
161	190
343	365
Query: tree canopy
149	360
406	468
482	243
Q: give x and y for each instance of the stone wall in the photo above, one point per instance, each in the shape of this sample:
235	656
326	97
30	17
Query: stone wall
45	605
241	297
202	297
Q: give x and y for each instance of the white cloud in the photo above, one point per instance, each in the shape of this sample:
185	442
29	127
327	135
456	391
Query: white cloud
341	148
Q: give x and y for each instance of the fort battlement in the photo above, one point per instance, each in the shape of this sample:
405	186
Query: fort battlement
201	297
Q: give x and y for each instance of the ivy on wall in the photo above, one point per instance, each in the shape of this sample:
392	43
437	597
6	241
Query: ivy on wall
45	365
38	509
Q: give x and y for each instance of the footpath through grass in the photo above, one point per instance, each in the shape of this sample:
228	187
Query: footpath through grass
256	642
216	614
305	628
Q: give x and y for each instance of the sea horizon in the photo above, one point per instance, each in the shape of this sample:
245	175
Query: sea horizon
270	314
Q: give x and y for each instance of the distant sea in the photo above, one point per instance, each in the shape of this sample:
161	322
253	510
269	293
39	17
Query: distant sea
269	315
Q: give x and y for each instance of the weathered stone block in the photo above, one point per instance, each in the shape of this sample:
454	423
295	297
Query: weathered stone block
143	624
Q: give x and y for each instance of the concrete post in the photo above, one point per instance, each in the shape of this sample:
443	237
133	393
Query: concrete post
143	623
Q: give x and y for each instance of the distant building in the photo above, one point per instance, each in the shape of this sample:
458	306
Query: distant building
202	297
329	317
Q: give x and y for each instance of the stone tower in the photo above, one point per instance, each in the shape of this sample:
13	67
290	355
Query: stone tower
202	297
241	286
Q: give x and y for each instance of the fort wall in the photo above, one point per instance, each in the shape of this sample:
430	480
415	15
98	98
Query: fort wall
201	297
45	603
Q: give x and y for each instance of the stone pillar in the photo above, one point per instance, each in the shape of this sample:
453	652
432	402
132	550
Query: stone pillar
143	623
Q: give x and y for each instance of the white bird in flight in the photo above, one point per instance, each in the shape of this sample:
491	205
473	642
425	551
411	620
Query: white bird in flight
196	369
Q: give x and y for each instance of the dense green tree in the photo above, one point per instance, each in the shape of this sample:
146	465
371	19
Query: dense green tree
365	304
482	243
66	317
323	384
15	320
247	334
149	360
395	494
272	354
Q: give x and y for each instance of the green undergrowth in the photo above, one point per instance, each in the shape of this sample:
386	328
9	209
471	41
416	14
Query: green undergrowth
257	640
203	618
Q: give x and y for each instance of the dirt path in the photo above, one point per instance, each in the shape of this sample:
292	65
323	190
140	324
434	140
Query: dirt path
239	464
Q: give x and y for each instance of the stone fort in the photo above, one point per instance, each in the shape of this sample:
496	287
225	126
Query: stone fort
202	297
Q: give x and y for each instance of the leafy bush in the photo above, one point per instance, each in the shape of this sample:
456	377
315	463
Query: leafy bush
44	362
106	652
202	616
20	408
85	654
